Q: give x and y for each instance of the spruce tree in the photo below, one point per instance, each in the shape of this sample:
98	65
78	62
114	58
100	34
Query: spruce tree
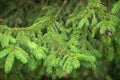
59	39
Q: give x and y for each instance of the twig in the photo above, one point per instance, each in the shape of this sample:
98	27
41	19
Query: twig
61	8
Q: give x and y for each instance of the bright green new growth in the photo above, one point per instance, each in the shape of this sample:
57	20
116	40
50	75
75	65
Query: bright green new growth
9	62
60	45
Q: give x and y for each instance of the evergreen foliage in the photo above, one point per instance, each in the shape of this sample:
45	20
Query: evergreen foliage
78	39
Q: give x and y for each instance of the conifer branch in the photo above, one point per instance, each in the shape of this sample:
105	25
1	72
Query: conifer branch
39	26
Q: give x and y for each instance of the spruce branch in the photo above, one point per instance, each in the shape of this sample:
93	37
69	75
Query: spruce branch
36	26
